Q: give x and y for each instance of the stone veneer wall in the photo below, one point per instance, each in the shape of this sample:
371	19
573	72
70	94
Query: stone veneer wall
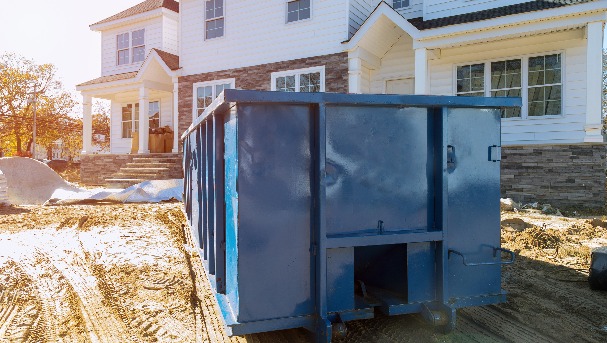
95	168
561	175
259	78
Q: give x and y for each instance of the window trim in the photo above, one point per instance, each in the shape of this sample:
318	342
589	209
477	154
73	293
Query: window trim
159	112
207	20
524	81
397	8
213	83
287	22
134	118
131	47
298	72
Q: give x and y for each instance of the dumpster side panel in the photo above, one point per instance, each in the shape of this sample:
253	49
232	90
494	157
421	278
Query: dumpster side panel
474	192
209	187
274	211
378	166
231	201
218	208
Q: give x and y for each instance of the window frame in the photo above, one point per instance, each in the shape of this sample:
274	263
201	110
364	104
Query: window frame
207	20
287	22
408	4
131	48
213	83
296	73
134	118
524	81
159	113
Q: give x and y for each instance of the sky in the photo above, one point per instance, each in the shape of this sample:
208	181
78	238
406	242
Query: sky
57	32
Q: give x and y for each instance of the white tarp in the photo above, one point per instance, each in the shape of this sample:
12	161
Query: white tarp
3	190
33	183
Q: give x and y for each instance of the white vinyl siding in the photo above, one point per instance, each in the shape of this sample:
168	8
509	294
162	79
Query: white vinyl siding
569	127
359	11
300	80
396	4
258	28
397	63
170	35
434	9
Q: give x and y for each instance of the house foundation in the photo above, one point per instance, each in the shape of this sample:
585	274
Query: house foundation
561	175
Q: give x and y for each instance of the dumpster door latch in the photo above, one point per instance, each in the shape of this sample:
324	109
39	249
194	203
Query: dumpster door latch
495	153
450	156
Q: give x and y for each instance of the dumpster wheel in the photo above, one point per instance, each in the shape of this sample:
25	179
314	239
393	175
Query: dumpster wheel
340	330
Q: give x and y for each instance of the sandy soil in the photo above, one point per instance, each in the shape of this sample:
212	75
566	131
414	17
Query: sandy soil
125	273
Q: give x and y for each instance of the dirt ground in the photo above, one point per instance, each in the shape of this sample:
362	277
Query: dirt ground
127	273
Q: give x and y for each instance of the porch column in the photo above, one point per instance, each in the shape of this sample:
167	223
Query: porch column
594	74
144	122
421	71
87	124
176	132
355	74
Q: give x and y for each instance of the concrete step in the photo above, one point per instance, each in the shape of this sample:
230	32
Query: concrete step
153	165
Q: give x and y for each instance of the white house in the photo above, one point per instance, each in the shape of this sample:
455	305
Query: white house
178	56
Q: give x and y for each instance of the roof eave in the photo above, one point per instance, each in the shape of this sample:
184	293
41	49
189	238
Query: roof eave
133	19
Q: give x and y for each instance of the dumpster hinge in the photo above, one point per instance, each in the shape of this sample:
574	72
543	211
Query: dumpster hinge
495	153
314	249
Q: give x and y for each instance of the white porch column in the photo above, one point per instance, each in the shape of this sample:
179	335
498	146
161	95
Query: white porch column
144	122
421	71
87	124
355	74
176	132
594	74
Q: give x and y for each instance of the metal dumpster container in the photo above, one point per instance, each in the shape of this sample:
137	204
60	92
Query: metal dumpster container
314	209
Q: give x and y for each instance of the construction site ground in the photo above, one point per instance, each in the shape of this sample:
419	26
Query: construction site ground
126	273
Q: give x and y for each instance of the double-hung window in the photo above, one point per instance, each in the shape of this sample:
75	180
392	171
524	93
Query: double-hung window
537	79
214	19
130	47
130	120
300	80
154	114
206	92
396	4
298	10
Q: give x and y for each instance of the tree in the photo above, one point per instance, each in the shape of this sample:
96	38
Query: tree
101	125
22	82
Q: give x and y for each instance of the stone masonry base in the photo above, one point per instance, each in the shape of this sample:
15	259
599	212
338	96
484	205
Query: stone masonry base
564	176
94	169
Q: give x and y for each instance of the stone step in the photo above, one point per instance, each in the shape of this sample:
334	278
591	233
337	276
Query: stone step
156	160
146	176
145	170
122	183
153	165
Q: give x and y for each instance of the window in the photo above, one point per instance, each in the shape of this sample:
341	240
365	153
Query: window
471	80
301	80
123	47
537	79
298	10
214	19
130	120
400	4
138	45
206	92
506	81
544	93
154	114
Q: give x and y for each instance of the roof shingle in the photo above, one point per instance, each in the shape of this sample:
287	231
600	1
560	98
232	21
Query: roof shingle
172	61
146	6
109	78
524	7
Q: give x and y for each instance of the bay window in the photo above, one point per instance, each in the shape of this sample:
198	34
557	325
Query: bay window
537	79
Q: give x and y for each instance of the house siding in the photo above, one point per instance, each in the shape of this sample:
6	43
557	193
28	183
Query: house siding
256	33
397	63
414	10
359	11
563	129
259	78
170	35
561	175
153	39
433	9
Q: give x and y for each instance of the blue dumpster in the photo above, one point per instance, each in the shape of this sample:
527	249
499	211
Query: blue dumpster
314	209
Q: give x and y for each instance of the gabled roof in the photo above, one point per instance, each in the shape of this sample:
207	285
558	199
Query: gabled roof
109	78
172	61
524	7
146	6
